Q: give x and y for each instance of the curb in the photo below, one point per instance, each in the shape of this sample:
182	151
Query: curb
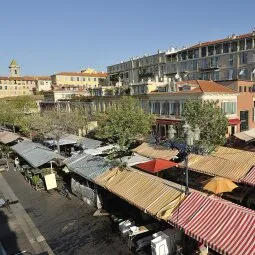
36	239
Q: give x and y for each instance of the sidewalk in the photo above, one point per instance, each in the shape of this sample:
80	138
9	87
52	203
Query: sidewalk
18	232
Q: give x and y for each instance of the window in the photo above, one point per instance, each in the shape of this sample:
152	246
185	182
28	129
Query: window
250	89
243	58
196	53
225	47
242	45
88	79
210	50
233	46
72	78
203	52
244	89
231	59
216	76
95	79
240	89
248	44
0	87
5	87
84	79
77	79
218	49
228	107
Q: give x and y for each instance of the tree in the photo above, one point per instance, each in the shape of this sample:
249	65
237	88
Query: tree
210	118
124	122
56	124
14	109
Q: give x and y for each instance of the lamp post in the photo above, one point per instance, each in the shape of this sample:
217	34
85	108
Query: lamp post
189	136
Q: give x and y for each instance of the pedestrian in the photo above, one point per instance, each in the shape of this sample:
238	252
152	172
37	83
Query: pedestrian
7	205
16	164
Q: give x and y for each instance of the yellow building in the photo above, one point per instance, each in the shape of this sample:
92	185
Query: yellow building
17	85
86	79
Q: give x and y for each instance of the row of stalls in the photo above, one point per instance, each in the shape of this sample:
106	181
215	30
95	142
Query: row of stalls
157	212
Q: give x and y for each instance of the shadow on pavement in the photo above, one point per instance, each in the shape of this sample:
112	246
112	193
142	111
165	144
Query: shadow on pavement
8	238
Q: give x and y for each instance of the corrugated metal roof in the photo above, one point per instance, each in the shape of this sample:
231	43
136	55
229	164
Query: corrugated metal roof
100	150
155	151
88	143
147	192
216	166
87	166
8	137
35	154
134	159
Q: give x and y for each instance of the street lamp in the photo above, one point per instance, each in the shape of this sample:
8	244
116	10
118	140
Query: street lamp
189	136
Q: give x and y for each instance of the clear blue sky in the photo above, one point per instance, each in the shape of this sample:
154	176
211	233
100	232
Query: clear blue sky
49	36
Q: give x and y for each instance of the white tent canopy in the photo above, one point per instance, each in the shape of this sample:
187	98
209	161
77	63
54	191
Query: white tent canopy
246	135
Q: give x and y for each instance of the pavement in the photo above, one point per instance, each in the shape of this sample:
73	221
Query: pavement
68	226
18	233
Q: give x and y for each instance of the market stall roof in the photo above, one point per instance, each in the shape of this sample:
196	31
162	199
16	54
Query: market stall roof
246	136
8	137
100	150
216	166
134	159
221	225
155	151
62	141
236	155
149	193
88	143
156	165
35	154
87	166
249	178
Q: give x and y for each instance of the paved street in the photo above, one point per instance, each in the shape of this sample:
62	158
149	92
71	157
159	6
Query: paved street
67	225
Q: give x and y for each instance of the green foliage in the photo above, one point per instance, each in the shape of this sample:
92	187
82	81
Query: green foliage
35	180
210	118
14	109
124	122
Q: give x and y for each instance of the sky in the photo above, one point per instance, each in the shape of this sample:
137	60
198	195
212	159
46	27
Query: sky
50	36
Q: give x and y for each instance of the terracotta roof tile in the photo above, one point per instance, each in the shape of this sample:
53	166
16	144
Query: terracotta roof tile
201	86
83	74
236	37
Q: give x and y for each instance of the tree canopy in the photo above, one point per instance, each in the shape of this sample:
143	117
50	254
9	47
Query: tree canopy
124	122
16	108
210	118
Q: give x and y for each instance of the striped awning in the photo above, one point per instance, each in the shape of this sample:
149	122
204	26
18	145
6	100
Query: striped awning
249	178
155	151
223	226
142	190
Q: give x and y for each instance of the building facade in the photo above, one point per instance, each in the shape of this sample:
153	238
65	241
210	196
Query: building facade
225	59
43	83
86	79
17	85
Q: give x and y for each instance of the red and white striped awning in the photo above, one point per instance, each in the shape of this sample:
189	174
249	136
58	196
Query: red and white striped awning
249	178
223	226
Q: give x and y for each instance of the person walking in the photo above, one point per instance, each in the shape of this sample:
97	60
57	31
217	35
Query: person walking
16	164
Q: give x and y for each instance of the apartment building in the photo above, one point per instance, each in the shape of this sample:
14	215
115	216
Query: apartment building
245	102
86	79
229	58
43	83
168	105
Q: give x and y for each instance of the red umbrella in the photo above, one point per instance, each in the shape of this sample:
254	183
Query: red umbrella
156	165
